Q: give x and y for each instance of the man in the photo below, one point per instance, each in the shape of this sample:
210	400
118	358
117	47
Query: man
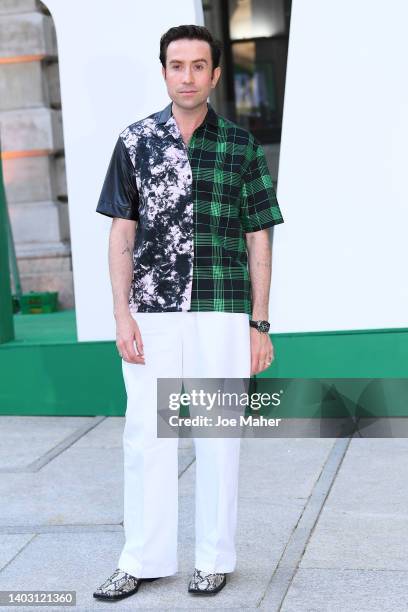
191	200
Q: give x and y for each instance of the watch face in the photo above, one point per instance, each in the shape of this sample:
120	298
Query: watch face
264	326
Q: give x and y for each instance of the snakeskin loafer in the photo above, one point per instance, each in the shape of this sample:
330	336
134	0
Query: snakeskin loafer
119	586
203	583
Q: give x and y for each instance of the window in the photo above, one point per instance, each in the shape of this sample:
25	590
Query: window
257	33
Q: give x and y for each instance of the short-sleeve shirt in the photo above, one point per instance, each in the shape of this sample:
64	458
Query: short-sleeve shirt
193	206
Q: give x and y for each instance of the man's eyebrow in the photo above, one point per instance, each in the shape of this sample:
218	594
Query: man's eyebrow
174	61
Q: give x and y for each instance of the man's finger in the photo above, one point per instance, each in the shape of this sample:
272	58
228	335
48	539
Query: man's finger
139	343
138	359
254	362
130	349
131	354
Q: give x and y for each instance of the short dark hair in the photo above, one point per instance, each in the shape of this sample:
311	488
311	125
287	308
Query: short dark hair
192	32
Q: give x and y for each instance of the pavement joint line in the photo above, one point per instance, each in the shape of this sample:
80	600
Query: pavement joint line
61	447
18	553
38	529
184	470
107	527
355	569
287	566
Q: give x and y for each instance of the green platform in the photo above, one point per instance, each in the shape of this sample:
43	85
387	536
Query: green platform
46	371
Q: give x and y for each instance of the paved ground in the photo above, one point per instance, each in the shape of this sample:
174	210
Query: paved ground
323	523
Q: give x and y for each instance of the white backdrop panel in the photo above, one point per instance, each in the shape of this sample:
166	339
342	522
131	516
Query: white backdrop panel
340	257
110	77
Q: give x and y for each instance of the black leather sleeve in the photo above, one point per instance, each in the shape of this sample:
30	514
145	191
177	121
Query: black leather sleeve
119	196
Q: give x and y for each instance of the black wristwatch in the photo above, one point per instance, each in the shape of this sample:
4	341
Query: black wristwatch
261	326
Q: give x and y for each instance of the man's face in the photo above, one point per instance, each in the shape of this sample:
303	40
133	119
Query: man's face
188	73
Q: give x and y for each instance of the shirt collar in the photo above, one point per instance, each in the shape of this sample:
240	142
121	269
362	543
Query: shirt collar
210	118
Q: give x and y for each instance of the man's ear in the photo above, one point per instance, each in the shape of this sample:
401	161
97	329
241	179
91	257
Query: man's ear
215	76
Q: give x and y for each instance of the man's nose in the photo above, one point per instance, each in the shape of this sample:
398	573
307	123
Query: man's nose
188	75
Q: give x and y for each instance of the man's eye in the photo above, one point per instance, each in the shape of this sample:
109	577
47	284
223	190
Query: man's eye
199	66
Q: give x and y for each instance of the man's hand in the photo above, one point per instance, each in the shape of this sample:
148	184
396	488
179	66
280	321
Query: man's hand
262	353
127	335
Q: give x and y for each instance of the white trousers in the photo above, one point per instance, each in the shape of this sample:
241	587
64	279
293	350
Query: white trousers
177	345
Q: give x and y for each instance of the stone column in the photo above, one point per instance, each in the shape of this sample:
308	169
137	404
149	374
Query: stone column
33	148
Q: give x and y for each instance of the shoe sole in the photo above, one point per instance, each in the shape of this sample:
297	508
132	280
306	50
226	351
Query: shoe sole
214	592
118	597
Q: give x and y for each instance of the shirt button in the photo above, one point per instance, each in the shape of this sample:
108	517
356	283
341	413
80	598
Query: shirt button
189	176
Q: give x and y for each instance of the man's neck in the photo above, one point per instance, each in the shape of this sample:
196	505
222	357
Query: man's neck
189	120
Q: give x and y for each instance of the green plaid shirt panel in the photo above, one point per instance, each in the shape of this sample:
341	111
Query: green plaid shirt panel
233	194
